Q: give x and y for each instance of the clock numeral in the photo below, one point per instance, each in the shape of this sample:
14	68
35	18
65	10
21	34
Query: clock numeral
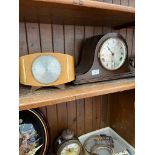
103	59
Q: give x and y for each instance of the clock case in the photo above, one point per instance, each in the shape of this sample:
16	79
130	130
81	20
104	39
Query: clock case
90	69
67	69
66	138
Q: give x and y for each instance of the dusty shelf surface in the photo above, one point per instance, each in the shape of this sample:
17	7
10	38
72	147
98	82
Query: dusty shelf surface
29	99
72	12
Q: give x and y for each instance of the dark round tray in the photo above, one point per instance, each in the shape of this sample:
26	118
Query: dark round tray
33	133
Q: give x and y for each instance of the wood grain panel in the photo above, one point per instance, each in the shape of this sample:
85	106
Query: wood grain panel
69	39
129	39
58	38
88	115
52	117
122	115
130	33
80	117
59	46
33	37
62	117
45	45
132	3
133	44
107	1
33	41
66	12
117	2
97	112
89	31
23	50
98	30
46	37
106	30
104	112
72	116
79	38
69	49
125	2
123	32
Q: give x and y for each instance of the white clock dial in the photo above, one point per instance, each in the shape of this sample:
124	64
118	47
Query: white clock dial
46	69
71	149
112	53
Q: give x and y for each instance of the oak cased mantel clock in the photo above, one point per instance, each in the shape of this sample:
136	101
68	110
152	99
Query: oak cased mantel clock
46	69
103	57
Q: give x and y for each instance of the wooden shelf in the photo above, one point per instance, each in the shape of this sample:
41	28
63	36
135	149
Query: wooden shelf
85	12
51	96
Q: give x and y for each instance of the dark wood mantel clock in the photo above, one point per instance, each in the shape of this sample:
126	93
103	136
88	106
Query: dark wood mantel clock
104	57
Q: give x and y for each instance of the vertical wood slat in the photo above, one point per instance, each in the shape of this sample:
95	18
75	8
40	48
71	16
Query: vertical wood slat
118	2
97	101
72	116
69	39
105	104
122	118
124	2
52	117
51	111
79	37
69	49
80	117
88	114
89	32
123	31
133	44
58	38
33	40
46	37
130	34
97	30
108	1
45	45
33	37
96	112
59	44
132	3
23	50
129	39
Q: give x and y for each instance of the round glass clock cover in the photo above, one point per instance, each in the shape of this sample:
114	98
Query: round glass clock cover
46	69
71	149
113	53
102	150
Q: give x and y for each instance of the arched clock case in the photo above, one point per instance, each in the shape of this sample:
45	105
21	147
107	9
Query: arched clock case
90	68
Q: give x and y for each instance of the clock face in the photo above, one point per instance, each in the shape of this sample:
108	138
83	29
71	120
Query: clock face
113	53
71	149
46	69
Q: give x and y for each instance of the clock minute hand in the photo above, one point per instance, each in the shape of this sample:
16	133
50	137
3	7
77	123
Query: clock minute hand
110	51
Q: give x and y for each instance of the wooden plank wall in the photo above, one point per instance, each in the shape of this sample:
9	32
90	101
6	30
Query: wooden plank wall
122	114
83	115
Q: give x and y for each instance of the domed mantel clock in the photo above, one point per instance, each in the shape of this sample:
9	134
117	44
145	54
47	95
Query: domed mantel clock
104	57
